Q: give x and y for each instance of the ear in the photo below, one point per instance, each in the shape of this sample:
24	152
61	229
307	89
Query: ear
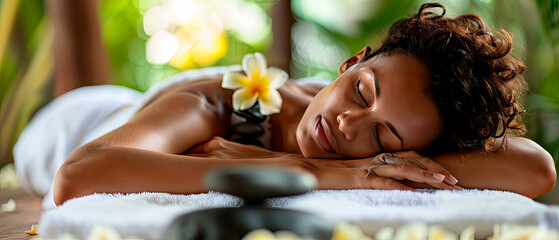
354	59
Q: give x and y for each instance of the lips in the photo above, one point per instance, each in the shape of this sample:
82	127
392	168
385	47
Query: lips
321	137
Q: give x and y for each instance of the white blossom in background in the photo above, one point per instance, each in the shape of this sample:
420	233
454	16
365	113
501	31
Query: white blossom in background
177	26
156	19
162	47
199	28
245	19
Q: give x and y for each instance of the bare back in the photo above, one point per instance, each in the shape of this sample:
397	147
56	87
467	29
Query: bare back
193	112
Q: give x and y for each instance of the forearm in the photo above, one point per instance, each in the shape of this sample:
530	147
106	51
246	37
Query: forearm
128	170
521	166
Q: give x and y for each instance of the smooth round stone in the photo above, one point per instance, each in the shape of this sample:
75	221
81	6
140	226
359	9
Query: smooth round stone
235	223
252	114
255	184
248	128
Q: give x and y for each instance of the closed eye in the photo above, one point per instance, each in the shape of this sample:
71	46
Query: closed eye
382	149
358	91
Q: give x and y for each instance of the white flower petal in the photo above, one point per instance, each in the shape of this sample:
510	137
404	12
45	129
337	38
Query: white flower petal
287	235
344	230
156	19
414	231
243	99
10	206
439	233
270	102
259	234
386	233
161	47
103	232
234	80
254	65
514	231
468	233
276	77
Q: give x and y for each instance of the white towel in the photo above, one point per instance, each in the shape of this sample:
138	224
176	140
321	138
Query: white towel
147	215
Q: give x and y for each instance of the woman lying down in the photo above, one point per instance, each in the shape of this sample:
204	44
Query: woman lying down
439	99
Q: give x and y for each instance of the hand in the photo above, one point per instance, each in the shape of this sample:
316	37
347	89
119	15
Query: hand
428	165
381	172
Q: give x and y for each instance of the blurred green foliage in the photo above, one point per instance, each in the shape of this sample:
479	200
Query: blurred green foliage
125	40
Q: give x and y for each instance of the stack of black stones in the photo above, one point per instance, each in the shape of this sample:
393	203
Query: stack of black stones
250	130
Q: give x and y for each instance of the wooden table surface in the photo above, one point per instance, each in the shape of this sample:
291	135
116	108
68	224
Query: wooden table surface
28	211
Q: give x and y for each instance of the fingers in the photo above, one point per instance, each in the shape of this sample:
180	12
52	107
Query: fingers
386	184
401	172
444	185
407	172
428	164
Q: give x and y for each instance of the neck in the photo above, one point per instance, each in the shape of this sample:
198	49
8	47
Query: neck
284	124
284	128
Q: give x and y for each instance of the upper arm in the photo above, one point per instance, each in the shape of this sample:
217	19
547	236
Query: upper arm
172	124
522	166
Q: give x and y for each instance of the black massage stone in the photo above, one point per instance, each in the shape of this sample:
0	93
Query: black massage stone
254	185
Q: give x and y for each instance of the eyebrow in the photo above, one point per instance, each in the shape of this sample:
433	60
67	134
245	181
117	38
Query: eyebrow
387	123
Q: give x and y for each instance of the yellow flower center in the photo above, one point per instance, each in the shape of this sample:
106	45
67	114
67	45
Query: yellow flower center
258	86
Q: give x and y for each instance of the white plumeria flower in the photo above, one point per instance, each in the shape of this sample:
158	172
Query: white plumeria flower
259	84
347	231
422	231
520	232
468	234
10	206
385	233
412	231
439	233
100	232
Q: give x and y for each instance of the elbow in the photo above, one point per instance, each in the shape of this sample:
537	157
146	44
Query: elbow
66	183
62	186
544	173
549	174
71	179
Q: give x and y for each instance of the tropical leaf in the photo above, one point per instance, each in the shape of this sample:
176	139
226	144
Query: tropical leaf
27	94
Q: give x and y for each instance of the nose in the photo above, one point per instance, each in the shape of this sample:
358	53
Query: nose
351	122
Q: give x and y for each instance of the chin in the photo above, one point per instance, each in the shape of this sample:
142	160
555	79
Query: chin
302	142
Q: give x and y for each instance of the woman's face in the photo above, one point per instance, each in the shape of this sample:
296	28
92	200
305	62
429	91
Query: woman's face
374	106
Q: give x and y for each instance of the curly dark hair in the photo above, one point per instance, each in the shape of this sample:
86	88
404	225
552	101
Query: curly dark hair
475	82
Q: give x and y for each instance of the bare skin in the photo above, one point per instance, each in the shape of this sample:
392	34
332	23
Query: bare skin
171	143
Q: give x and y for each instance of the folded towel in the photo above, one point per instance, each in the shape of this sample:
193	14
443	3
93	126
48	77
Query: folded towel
147	215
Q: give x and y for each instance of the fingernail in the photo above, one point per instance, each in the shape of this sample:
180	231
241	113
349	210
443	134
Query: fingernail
438	176
453	180
458	188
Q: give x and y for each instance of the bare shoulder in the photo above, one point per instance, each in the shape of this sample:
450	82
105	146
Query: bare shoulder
307	89
176	120
524	145
209	88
